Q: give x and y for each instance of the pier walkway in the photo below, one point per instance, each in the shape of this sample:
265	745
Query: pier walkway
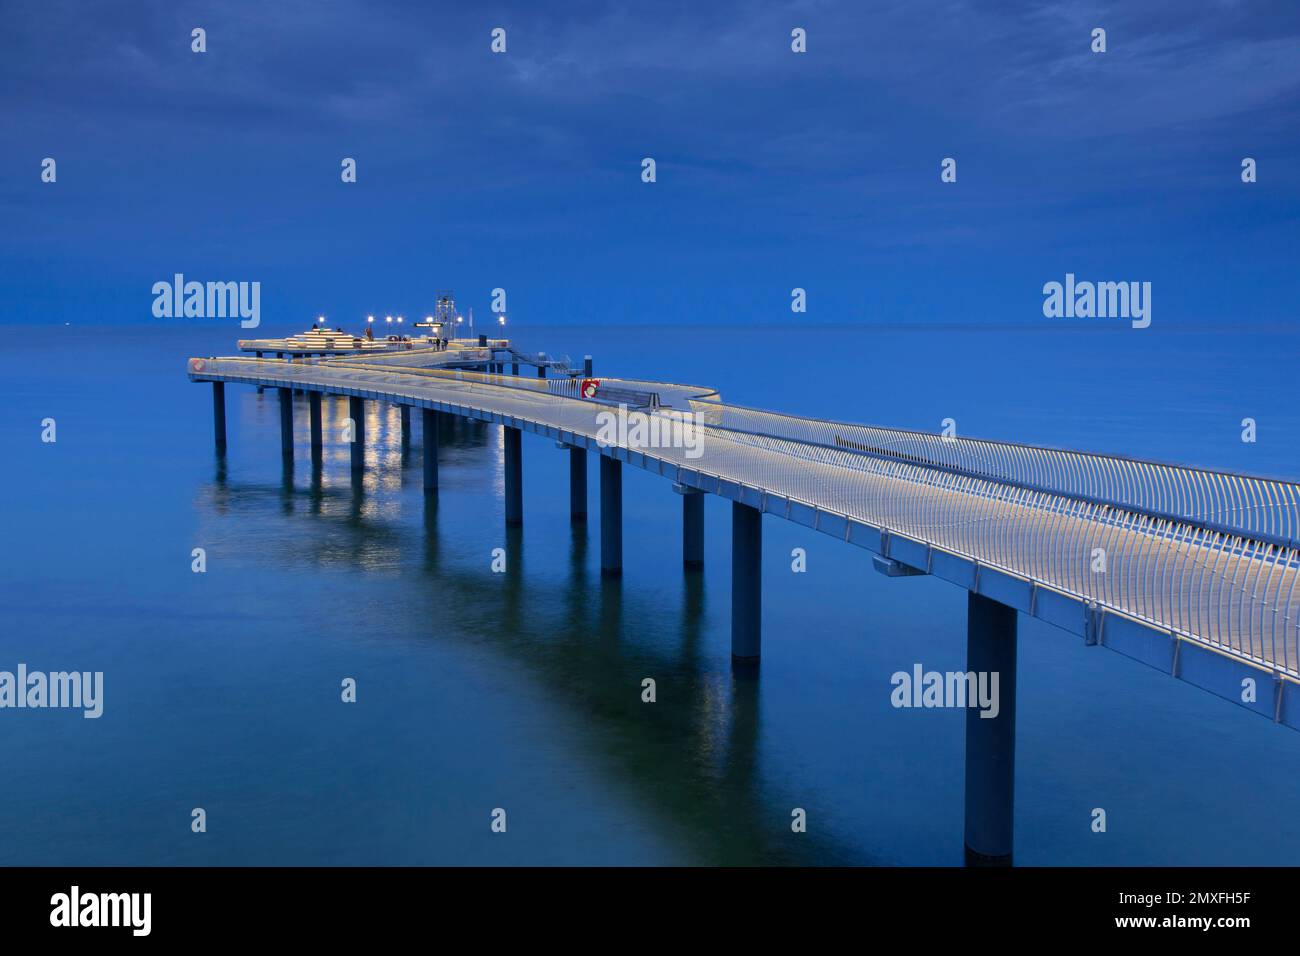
1192	571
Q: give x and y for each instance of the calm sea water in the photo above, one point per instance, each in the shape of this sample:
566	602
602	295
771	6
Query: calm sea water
522	691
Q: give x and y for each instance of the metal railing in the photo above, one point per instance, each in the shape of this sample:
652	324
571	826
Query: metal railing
1264	509
612	390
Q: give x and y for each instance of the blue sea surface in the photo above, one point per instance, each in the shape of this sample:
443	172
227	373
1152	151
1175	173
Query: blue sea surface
522	691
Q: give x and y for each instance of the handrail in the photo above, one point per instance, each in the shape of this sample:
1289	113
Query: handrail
1266	509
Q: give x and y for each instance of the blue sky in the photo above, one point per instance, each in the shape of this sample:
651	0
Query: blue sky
775	170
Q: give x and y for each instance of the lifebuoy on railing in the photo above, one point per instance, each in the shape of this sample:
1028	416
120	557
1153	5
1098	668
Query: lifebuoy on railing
197	365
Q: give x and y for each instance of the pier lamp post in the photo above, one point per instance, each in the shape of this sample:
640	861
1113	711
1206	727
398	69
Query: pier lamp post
370	318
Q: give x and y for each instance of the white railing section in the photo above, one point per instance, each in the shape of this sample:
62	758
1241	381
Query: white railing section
1262	508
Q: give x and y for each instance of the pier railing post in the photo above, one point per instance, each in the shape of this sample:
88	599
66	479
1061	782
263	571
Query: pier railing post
514	475
286	424
357	412
611	515
577	485
317	427
430	439
990	741
219	414
746	582
693	528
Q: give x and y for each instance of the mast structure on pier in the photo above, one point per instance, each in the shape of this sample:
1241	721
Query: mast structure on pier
444	319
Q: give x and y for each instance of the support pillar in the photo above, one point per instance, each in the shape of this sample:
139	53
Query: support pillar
693	529
541	369
406	425
586	366
317	427
514	475
514	368
746	582
611	516
357	412
990	741
286	424
577	485
219	414
430	439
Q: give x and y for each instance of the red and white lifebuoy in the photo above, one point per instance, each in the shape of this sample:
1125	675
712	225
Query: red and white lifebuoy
197	365
590	386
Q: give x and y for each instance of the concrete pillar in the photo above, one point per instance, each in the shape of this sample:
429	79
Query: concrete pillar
577	485
406	425
611	515
586	366
990	741
357	412
693	529
514	368
430	439
219	414
541	369
317	427
286	424
514	468
482	341
746	582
